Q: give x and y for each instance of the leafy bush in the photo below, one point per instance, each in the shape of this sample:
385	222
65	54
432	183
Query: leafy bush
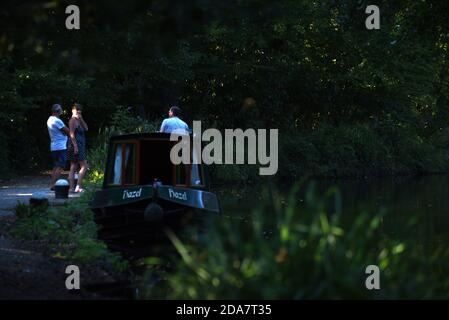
67	231
235	173
359	150
4	163
350	150
303	249
123	122
410	151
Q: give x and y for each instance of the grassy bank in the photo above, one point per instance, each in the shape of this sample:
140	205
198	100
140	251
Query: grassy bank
67	232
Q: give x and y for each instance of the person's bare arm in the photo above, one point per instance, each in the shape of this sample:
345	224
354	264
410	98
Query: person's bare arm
72	124
83	123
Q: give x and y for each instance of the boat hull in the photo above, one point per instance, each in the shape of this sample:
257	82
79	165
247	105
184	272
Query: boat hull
187	197
122	211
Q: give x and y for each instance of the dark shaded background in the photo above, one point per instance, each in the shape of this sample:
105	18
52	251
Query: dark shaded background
311	69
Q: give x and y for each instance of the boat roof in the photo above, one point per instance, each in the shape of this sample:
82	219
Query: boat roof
142	136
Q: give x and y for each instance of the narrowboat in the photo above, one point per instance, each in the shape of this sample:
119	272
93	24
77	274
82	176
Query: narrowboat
143	189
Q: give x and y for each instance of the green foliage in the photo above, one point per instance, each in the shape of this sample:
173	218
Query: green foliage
303	247
123	122
375	149
4	162
67	232
359	150
292	65
98	154
227	174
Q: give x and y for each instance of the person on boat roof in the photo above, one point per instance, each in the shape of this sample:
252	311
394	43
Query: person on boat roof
173	123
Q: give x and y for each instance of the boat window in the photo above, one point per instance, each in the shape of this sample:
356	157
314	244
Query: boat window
195	177
186	172
117	178
123	166
181	174
130	164
190	174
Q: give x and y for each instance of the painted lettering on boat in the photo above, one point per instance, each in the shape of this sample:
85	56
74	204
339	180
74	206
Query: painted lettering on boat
132	194
177	195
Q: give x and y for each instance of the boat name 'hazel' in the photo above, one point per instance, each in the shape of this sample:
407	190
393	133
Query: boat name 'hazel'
177	195
132	194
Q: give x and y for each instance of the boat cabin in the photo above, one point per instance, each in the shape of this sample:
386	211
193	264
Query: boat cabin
143	188
140	159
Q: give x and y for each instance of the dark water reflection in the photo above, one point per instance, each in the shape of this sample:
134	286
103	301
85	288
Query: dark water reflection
423	200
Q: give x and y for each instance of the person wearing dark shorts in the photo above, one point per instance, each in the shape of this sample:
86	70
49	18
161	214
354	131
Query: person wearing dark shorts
58	142
77	148
59	158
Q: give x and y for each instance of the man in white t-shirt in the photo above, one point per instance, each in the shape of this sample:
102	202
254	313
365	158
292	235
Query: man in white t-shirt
58	136
173	122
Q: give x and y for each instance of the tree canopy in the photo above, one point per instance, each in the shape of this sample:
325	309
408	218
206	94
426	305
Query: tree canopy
295	65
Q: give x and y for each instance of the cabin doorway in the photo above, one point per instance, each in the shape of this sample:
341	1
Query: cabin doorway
155	161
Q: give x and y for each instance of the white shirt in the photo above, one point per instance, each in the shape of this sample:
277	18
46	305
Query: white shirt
57	137
174	123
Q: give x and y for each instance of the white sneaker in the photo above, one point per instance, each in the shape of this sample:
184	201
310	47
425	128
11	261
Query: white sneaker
78	189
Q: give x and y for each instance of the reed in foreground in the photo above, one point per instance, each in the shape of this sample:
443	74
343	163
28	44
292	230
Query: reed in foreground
303	247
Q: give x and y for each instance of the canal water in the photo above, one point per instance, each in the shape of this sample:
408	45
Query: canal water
403	200
423	200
